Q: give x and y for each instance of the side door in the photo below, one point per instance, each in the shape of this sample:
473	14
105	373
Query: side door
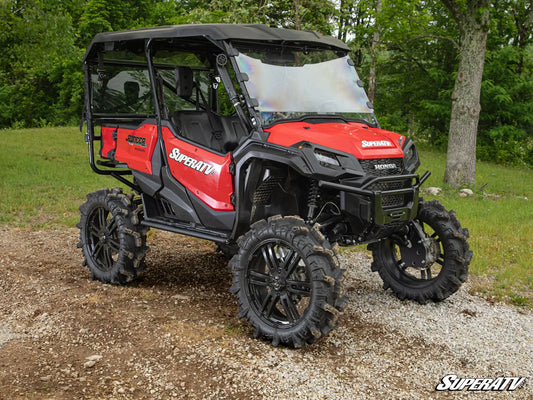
194	155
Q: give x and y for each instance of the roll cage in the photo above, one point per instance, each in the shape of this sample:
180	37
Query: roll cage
213	42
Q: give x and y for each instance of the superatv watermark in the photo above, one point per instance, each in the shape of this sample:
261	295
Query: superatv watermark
192	163
454	383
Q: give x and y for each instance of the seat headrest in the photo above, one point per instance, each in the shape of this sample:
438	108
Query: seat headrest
131	91
184	81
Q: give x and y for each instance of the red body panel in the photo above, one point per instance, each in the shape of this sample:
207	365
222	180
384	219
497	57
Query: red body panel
135	147
354	138
205	174
108	143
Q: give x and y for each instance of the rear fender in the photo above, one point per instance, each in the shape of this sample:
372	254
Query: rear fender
135	147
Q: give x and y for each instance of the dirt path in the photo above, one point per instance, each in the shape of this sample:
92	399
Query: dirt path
175	334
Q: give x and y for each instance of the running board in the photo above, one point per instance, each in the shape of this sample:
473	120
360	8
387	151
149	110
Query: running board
185	229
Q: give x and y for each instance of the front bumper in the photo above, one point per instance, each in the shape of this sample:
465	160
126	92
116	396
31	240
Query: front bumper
375	206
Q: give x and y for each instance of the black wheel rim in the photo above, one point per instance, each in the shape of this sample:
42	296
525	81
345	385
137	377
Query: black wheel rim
419	276
103	239
278	284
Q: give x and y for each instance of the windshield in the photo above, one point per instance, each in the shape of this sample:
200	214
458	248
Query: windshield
303	83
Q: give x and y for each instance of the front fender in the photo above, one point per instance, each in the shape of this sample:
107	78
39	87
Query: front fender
252	155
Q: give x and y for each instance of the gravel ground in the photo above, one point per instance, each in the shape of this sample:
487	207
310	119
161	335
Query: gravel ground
174	333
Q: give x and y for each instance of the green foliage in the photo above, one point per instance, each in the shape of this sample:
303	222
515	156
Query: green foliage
417	63
295	14
506	124
43	42
39	47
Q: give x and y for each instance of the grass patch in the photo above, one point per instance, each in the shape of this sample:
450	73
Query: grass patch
500	220
45	176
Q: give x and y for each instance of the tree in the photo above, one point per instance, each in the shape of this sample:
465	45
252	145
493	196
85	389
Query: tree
294	14
38	46
472	18
374	51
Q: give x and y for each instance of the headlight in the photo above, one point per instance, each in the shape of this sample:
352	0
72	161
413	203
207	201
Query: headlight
410	152
327	159
411	161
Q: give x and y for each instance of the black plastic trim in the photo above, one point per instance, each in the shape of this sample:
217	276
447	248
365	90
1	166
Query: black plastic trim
185	229
320	119
219	220
412	164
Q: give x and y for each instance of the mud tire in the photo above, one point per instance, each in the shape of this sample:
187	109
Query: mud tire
455	258
309	278
112	240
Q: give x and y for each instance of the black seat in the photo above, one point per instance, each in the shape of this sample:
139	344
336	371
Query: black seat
220	133
233	131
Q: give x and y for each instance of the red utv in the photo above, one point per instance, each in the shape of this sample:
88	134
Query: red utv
263	141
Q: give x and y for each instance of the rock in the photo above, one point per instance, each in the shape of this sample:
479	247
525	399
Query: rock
96	357
181	297
432	191
89	364
466	192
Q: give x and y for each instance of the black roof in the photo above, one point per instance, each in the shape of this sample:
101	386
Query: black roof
256	32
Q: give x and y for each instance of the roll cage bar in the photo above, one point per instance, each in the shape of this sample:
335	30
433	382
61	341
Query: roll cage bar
219	36
220	64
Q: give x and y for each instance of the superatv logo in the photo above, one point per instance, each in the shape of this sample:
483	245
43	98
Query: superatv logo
192	163
453	383
138	140
376	143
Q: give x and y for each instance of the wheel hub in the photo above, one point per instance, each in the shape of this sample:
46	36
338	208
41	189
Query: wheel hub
105	237
278	283
415	256
422	252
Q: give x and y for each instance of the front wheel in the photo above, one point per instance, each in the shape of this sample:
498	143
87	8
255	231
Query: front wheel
288	281
428	260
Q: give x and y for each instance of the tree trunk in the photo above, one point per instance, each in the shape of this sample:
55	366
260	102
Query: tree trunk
461	158
298	16
374	50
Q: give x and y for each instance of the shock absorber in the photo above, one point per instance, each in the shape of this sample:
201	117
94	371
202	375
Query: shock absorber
312	200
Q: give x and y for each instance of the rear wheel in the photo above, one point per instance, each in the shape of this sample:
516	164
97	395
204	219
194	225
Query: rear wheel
429	261
288	281
112	240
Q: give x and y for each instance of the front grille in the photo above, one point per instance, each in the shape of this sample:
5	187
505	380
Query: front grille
384	168
391	200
